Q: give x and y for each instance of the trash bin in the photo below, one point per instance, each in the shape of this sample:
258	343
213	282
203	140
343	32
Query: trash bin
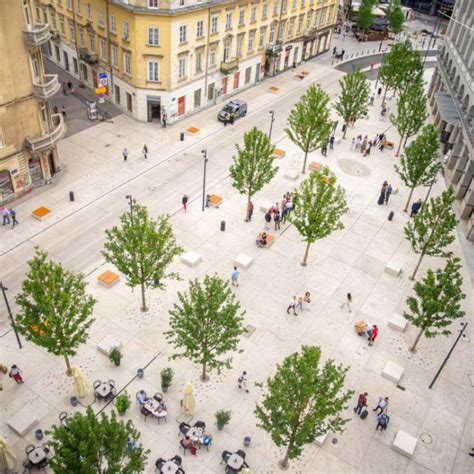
71	196
222	226
181	136
91	110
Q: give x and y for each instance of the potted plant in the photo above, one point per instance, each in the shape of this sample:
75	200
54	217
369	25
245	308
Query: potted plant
115	356
222	418
166	378
122	403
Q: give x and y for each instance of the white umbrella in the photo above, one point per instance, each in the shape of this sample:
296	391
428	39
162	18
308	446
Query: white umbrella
80	382
7	456
189	403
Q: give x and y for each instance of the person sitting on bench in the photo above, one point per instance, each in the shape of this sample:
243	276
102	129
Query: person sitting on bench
261	240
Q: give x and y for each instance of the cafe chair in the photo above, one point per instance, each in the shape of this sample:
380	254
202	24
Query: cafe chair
177	460
96	384
159	463
183	428
200	424
241	453
207	441
185	447
29	449
158	397
225	456
144	412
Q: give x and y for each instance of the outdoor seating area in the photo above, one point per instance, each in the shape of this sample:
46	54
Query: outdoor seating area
235	462
194	437
104	391
171	466
152	406
264	240
37	457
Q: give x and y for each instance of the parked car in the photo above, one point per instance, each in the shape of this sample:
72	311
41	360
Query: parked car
236	107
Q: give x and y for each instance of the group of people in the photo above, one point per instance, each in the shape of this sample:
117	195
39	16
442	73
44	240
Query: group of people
278	213
372	331
302	303
15	373
385	192
9	217
382	408
362	145
330	142
338	55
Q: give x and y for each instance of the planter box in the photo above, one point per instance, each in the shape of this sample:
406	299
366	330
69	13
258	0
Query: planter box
108	279
41	213
193	131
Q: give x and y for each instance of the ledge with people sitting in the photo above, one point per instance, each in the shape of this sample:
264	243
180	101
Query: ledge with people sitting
264	240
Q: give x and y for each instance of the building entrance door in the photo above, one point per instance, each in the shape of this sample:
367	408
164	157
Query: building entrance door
154	109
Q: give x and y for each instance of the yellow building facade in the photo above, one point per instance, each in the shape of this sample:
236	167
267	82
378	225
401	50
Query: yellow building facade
28	130
175	57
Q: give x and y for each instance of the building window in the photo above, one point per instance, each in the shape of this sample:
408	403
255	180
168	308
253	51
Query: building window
125	32
308	19
251	41
114	56
200	29
71	31
240	42
91	43
291	27
117	94
81	37
127	64
241	16
212	57
226	52
154	71
183	33
182	68
78	7
153	36
181	3
264	11
54	23
271	38
275	7
248	73
113	24
100	18
214	21
281	31
69	4
261	40
294	6
102	53
322	19
198	63
62	28
228	21
303	2
89	11
253	14
284	6
60	3
154	4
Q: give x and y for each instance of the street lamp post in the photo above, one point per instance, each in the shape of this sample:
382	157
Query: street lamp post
272	114
204	155
4	291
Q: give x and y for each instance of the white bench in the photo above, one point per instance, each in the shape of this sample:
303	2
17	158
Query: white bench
108	343
23	420
393	372
243	261
393	267
337	139
320	439
292	176
191	259
398	322
265	205
404	443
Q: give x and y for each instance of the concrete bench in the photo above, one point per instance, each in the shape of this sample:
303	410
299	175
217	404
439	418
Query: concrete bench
243	261
191	259
404	443
292	176
41	213
320	439
265	205
23	420
108	343
397	322
274	89
108	279
314	166
393	372
279	153
393	267
193	131
215	200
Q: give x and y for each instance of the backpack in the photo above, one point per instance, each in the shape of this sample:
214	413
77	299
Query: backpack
268	217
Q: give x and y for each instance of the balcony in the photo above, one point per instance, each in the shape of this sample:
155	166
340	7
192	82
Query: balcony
89	58
50	139
274	49
47	87
36	35
310	33
230	66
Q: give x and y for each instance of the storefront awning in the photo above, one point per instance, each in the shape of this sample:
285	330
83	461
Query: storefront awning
447	109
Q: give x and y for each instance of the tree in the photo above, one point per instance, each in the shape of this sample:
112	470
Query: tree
142	249
55	311
319	206
432	228
303	401
411	111
396	18
420	164
437	301
89	445
206	324
354	97
253	166
309	121
365	18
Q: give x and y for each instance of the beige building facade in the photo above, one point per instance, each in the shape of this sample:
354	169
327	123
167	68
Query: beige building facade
178	56
28	130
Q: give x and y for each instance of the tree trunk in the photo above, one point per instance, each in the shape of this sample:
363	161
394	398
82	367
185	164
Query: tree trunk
405	144
409	199
143	308
204	376
68	365
305	258
384	94
417	266
247	209
304	161
413	347
284	462
399	146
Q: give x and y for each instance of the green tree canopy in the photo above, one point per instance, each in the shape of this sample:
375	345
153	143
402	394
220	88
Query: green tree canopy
142	249
365	17
253	166
396	17
96	445
437	301
419	163
206	324
319	206
303	400
354	97
431	230
54	310
309	121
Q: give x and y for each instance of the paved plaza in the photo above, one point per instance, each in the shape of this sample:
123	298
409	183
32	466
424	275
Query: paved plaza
351	260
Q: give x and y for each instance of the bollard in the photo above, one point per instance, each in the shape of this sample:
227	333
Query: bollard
71	196
181	136
222	226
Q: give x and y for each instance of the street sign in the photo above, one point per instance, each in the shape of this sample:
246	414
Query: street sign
103	75
101	100
100	90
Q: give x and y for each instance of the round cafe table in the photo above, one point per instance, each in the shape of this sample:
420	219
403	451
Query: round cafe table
169	467
37	455
235	462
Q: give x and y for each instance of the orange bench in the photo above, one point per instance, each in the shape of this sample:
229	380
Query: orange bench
41	213
193	131
215	200
279	153
108	279
314	165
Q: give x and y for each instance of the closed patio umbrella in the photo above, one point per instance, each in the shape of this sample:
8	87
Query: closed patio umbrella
80	382
7	456
189	403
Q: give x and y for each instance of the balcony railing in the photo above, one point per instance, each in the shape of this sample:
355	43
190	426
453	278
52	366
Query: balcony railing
89	58
36	35
229	66
50	139
46	88
273	49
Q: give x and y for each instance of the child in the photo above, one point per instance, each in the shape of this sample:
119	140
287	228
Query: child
16	374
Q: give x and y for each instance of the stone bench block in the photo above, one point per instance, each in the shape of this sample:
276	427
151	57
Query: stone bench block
397	322
243	261
278	153
393	267
193	131
23	420
314	166
41	213
404	443
108	343
265	205
320	439
292	176
215	200
191	259
337	140
108	279
393	372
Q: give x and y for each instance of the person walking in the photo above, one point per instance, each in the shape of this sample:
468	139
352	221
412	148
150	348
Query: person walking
307	300
5	215
388	191
353	143
63	111
372	99
347	303
332	139
16	374
184	201
69	85
13	217
292	306
145	151
276	219
125	154
358	143
249	211
324	149
364	145
242	381
374	332
379	92
382	405
381	199
235	277
268	219
416	206
163	120
361	403
64	88
367	151
382	422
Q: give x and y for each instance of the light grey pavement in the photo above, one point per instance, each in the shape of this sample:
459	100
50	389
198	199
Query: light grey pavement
352	260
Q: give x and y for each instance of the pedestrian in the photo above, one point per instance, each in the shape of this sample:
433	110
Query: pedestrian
379	92
242	381
268	219
334	51
13	217
382	405
348	302
373	333
276	219
353	144
388	191
416	206
342	55
364	145
64	88
324	149
63	111
375	141
16	374
361	403
235	277
372	99
232	118
55	109
125	154
184	201
163	120
145	151
249	211
69	85
381	199
292	306
382	144
332	139
358	142
369	146
5	216
382	422
307	300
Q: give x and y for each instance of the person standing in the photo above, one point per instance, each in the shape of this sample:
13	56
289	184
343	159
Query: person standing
145	151
242	381
125	154
16	374
307	300
235	277
382	422
379	92
388	191
184	201
163	120
373	334
364	145
69	85
382	405
324	149
332	139
381	199
5	216
292	306
347	303
361	403
367	151
372	99
249	211
276	219
353	143
13	217
268	219
416	206
63	111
